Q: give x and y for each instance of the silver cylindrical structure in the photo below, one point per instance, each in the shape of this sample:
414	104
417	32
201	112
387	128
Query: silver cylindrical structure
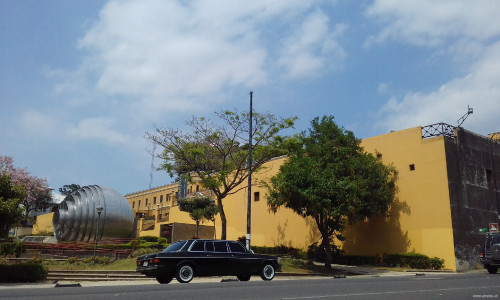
76	217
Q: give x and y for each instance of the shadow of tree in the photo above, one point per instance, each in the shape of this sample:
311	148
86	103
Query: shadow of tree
379	234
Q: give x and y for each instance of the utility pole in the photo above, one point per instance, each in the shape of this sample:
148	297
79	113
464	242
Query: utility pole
249	208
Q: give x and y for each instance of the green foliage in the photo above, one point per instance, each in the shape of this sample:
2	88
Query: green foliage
200	208
140	252
11	249
330	178
98	260
414	261
217	154
318	253
10	198
149	238
72	260
281	250
25	272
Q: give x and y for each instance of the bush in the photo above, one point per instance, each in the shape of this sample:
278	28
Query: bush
280	251
140	252
317	252
98	260
414	261
151	239
25	272
11	248
72	260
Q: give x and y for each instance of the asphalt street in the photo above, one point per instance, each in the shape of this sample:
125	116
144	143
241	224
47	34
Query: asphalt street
473	285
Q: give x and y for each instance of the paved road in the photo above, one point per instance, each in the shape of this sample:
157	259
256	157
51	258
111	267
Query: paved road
477	285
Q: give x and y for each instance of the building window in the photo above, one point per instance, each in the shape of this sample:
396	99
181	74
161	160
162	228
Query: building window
168	198
133	204
146	201
161	198
197	188
412	167
489	176
256	196
154	200
139	204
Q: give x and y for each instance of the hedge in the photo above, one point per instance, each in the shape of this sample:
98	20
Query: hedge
414	261
25	272
11	248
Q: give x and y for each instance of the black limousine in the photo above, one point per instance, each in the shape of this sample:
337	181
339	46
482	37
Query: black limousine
186	259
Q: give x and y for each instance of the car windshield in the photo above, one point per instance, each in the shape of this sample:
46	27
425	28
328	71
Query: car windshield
175	247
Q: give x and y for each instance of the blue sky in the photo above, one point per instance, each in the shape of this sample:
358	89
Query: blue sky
81	82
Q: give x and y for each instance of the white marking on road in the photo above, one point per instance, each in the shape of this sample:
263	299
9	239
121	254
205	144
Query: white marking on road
387	293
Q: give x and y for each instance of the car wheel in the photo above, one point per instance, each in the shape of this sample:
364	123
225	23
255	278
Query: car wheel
244	277
164	278
267	272
492	270
185	273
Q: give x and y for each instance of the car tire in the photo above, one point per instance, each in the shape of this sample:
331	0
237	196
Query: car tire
492	270
244	277
164	278
185	273
267	271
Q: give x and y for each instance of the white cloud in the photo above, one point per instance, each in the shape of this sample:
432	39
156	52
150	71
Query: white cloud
433	23
37	124
479	89
97	129
466	30
303	53
163	56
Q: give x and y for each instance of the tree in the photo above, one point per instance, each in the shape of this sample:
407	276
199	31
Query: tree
67	189
330	178
218	154
10	212
199	208
37	193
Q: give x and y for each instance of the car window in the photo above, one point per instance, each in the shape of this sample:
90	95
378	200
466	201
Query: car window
174	247
237	247
220	246
198	246
209	246
496	239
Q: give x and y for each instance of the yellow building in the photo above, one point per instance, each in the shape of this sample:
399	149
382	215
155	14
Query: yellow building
447	192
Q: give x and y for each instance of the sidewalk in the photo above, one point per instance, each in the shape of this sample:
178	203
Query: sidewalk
341	271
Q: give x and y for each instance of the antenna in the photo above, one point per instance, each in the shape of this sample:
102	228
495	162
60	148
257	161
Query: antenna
152	165
462	119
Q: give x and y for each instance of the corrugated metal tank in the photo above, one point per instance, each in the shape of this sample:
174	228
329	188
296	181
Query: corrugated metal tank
76	218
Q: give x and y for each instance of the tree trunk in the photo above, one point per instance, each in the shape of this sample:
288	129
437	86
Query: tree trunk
328	252
197	226
222	219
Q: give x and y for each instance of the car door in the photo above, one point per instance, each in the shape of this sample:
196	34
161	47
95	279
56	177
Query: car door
222	259
200	257
243	262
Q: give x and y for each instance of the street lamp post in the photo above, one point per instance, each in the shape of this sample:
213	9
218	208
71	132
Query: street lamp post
99	210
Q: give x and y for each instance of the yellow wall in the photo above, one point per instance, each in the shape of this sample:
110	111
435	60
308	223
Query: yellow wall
421	221
43	224
268	229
